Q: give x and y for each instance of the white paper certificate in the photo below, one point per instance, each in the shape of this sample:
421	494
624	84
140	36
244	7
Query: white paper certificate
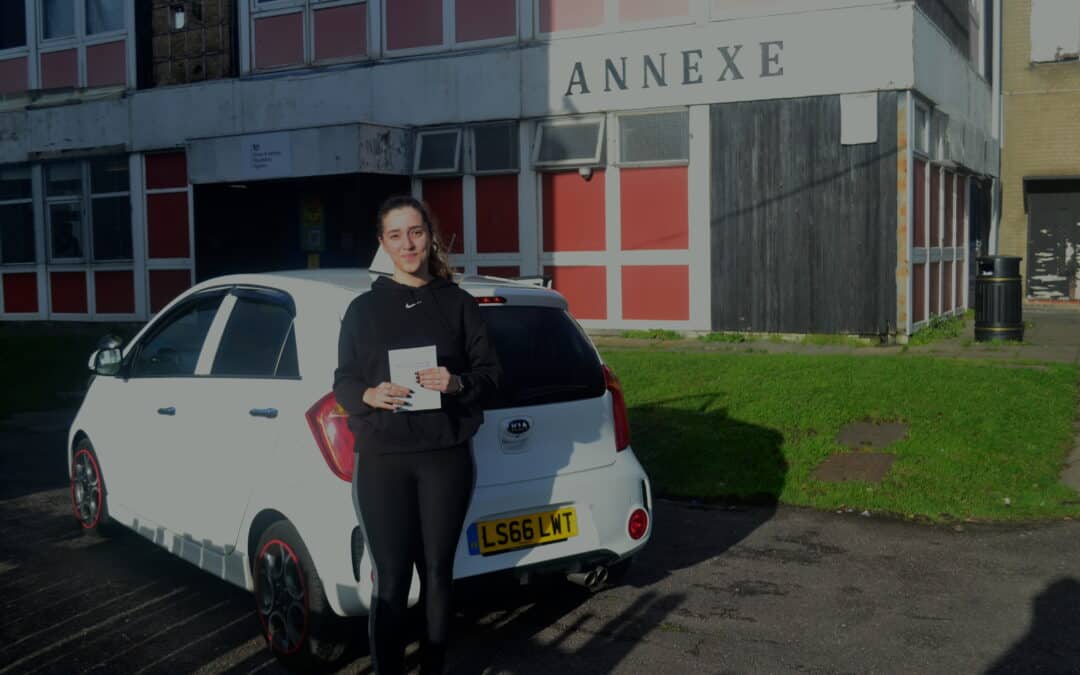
404	364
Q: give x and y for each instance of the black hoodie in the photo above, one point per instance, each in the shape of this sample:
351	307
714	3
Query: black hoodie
396	316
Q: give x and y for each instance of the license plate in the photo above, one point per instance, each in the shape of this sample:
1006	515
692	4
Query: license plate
496	536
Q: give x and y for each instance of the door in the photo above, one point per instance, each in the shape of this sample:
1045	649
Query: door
1054	240
241	404
140	416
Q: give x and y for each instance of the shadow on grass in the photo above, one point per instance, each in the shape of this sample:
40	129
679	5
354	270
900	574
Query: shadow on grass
1050	645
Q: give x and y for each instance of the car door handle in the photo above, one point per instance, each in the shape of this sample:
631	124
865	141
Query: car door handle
264	412
166	411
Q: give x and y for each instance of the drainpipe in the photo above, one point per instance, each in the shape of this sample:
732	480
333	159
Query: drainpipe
997	130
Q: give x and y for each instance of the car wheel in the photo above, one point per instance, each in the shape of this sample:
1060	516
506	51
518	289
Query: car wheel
88	498
297	622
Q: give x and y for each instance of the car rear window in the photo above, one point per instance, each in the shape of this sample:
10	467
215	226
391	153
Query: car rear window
545	356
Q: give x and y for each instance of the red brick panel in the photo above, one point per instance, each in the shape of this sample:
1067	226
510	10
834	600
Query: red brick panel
935	203
166	285
60	69
14	75
585	289
484	19
20	293
444	199
656	292
166	170
68	292
497	214
631	11
279	40
573	212
935	289
920	203
114	292
341	32
558	15
950	183
106	64
413	23
505	271
947	279
918	293
655	211
167	225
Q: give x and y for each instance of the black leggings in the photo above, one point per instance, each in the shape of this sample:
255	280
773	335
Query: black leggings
412	508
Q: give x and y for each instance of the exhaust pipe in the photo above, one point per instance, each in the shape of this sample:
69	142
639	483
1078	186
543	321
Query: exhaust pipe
593	580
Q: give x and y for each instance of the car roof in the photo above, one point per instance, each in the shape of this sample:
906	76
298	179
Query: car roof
356	280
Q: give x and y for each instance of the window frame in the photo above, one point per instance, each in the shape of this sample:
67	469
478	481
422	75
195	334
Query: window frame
921	137
449	40
456	170
24	49
15	202
514	143
85	200
80	41
234	295
166	318
652	162
596	160
306	8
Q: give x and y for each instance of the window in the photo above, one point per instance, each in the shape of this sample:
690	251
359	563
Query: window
922	129
100	216
290	33
16	216
104	16
57	19
12	24
495	147
258	340
438	152
577	142
173	350
655	137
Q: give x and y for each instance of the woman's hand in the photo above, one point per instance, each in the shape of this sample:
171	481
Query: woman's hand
387	396
439	379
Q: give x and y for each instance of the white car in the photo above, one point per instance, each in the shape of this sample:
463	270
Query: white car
215	434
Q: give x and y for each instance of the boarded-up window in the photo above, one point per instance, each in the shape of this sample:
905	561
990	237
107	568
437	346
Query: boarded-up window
656	137
495	147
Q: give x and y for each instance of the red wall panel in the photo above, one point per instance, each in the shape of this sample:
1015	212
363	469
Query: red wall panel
444	199
484	19
68	292
506	271
918	293
114	292
166	170
341	32
557	15
585	289
573	212
947	290
413	23
14	75
920	204
656	292
20	293
106	64
497	214
651	10
167	225
935	289
166	285
961	274
935	207
950	184
279	40
655	211
60	69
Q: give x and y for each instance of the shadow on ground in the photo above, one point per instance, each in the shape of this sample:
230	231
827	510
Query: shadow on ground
1050	645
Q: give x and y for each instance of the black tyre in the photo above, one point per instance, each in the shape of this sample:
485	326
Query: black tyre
88	495
299	626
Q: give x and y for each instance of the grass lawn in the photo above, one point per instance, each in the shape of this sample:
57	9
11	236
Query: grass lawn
45	363
986	440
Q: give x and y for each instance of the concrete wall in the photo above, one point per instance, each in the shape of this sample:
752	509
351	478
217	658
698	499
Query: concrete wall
1042	123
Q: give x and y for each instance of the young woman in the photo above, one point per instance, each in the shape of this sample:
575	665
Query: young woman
414	471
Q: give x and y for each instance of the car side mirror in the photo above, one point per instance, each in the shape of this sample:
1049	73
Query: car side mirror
107	357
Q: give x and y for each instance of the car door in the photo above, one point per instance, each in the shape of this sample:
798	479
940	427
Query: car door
138	409
240	405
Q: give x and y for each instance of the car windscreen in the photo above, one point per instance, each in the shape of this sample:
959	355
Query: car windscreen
545	357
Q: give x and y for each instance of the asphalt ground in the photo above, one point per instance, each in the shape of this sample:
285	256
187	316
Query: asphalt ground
759	590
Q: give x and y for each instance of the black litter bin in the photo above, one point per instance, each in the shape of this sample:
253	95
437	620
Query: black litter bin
998	299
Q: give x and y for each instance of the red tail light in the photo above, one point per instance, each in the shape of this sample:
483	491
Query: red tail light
618	404
329	424
491	300
638	525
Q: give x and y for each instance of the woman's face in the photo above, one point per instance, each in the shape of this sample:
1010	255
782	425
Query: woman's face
406	239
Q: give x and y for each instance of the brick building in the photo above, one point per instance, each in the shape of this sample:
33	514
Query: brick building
763	165
1041	153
